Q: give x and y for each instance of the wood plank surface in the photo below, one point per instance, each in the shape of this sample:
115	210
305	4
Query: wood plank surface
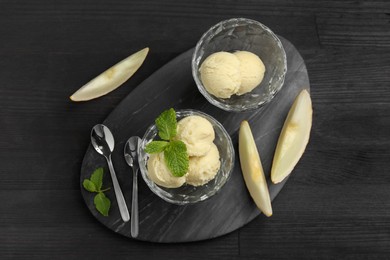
334	206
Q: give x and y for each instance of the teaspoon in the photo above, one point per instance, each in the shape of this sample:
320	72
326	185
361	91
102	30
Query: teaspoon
131	157
103	142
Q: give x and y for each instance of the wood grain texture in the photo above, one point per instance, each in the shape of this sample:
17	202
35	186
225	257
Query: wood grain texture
354	29
334	206
325	234
73	234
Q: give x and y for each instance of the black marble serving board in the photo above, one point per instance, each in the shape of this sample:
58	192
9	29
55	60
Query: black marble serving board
232	207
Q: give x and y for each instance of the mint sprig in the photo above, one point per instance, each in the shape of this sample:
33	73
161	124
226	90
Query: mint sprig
94	184
102	203
97	178
176	158
156	146
166	124
175	151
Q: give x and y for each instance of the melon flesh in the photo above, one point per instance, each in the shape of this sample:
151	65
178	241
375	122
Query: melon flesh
111	78
293	138
252	170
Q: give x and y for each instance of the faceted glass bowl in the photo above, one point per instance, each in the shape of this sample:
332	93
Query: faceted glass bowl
240	34
189	194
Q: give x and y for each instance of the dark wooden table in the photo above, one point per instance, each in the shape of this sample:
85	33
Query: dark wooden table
335	205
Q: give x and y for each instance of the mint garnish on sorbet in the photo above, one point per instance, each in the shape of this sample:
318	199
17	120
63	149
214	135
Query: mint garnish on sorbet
175	151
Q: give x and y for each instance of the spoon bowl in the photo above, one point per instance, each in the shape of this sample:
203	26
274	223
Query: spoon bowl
129	152
102	140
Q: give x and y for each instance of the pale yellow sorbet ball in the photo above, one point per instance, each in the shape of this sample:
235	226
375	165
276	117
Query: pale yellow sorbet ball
220	74
203	169
159	173
197	133
252	71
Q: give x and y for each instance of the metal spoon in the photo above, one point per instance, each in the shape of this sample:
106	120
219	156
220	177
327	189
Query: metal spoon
103	142
131	157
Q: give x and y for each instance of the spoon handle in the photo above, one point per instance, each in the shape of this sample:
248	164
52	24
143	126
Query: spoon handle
118	192
134	206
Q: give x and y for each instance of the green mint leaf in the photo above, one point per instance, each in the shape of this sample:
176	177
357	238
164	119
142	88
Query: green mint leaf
166	124
102	203
89	185
156	146
94	184
176	158
97	178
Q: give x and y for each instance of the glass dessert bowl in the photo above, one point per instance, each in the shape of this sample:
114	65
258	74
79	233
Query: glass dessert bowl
240	34
187	193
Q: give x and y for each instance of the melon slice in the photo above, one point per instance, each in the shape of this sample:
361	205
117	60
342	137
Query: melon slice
293	137
252	170
111	78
